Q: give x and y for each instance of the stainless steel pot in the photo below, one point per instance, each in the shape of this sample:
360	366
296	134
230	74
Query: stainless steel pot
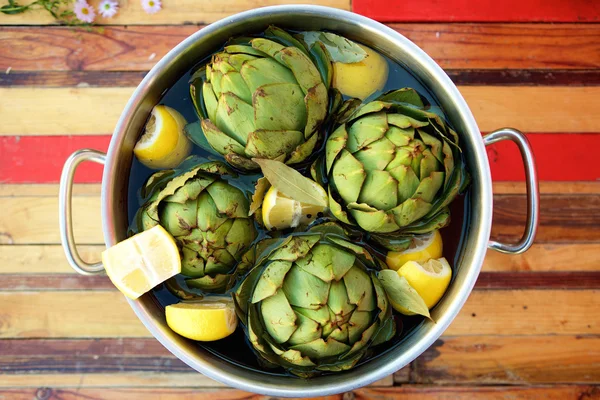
117	163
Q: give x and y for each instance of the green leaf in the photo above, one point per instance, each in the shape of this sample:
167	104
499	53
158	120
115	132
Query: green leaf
262	185
195	133
400	293
291	182
340	49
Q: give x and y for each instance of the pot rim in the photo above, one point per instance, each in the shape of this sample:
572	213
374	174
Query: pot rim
479	166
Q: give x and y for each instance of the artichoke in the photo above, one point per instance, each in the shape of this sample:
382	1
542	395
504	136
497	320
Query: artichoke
312	302
263	97
393	167
207	216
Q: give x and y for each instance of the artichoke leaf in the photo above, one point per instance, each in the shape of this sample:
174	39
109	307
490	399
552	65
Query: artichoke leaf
405	95
339	48
401	293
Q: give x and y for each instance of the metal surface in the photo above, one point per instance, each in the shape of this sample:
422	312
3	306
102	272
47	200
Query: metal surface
65	217
477	222
533	191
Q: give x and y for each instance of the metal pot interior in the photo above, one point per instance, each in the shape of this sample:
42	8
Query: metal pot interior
385	40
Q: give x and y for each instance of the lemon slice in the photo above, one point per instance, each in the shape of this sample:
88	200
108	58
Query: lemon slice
280	211
422	249
212	318
163	144
141	262
363	78
430	279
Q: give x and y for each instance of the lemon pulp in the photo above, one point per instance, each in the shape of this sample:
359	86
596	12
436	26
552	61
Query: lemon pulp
422	249
430	279
163	144
143	261
280	211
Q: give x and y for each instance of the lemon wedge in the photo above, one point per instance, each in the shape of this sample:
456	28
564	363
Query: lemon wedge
280	211
430	279
163	144
422	249
363	78
141	262
210	319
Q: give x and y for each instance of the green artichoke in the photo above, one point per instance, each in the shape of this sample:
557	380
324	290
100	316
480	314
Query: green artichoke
393	167
207	216
263	97
312	302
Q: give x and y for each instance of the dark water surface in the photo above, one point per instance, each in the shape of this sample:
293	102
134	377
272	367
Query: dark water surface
235	347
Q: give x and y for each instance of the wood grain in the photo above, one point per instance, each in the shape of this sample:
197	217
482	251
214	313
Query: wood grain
41	213
510	360
547	257
94	111
453	46
40	159
173	12
488	10
502	187
574	187
486	280
48	261
466	77
76	380
405	392
564	219
65	314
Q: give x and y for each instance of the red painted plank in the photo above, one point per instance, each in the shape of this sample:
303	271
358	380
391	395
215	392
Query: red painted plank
560	157
39	159
479	11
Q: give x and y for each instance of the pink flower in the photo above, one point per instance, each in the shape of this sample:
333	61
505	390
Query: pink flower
151	6
108	8
84	12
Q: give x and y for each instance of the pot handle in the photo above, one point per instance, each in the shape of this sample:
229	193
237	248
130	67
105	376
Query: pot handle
533	192
64	210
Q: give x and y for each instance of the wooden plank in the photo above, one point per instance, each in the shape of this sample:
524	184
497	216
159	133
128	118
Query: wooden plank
405	392
43	260
486	280
506	187
506	162
95	111
468	77
24	157
76	379
506	46
41	212
89	111
132	48
173	12
58	314
546	187
531	280
546	257
453	46
487	10
437	392
510	360
19	153
563	218
46	189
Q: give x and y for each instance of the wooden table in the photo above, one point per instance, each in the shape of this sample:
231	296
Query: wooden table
529	330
